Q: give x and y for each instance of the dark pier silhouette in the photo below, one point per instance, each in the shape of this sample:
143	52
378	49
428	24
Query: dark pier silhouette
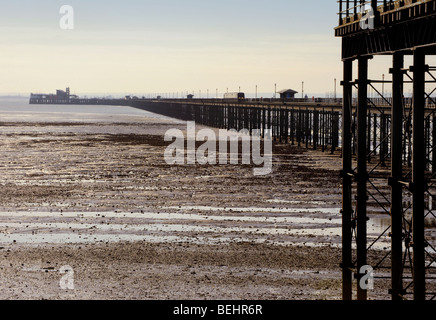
399	30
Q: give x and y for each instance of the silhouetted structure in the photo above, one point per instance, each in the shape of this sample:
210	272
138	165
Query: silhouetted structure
406	143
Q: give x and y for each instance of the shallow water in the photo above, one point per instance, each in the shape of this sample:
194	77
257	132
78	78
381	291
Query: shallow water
21	105
19	110
200	228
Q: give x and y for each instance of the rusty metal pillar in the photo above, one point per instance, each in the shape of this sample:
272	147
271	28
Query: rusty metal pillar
299	128
223	115
229	117
226	117
396	176
286	125
307	127
263	116
251	122
247	120
292	126
418	167
303	126
433	160
335	131
282	125
374	138
274	123
427	140
353	130
234	116
269	124
241	125
323	146
368	136
283	121
383	139
316	129
362	173
347	211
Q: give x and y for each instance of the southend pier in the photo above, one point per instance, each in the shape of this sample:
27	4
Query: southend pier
386	140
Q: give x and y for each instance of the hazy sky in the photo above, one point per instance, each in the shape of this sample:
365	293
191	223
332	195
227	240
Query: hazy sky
169	46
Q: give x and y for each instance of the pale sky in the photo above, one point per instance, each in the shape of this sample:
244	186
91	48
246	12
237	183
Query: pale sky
168	46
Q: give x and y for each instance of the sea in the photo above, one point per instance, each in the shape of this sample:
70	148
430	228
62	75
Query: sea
18	109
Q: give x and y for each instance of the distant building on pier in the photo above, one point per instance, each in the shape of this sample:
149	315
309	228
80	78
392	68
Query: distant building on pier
60	95
287	94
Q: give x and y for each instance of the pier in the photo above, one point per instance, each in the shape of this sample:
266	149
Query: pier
313	123
387	143
399	30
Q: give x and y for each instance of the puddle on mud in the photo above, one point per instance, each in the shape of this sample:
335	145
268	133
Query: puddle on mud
199	225
256	209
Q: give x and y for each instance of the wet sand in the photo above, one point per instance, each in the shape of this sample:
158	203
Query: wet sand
99	197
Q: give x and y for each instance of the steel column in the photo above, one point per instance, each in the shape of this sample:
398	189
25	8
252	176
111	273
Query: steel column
335	131
307	128
347	275
418	167
362	173
263	114
293	126
316	129
397	174
433	165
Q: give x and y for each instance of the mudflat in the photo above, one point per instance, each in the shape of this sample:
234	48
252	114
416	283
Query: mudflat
100	198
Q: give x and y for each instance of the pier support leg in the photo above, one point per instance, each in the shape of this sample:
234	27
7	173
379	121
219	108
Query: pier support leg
263	115
335	131
418	167
347	276
323	136
374	138
362	173
316	129
299	128
383	137
397	174
368	136
433	161
286	113
307	128
292	126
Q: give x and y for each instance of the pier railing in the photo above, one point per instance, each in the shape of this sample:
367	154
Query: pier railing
354	10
